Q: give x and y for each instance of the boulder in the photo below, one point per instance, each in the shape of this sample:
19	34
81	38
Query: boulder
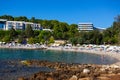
21	78
73	77
84	79
102	69
25	62
86	71
115	66
50	78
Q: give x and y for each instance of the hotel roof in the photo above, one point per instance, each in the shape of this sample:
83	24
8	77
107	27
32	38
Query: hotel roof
3	19
85	23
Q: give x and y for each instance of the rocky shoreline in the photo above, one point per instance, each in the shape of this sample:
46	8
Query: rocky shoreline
65	71
92	51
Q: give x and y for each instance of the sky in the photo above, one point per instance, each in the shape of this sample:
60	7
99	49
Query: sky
99	12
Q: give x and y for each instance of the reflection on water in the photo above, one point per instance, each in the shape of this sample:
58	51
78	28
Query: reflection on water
55	56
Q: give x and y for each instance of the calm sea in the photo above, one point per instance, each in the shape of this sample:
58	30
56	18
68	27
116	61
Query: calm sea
11	71
54	56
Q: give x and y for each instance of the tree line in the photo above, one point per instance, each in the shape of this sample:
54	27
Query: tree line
61	31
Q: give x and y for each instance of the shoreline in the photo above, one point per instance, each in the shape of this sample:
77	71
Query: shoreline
105	53
42	70
85	51
61	69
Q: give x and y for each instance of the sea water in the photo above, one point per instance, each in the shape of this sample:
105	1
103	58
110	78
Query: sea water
55	56
14	70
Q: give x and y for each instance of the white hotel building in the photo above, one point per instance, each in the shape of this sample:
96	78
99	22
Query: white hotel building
85	27
17	25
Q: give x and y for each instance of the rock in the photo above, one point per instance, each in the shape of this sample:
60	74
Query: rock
50	78
84	79
73	78
114	66
25	62
63	71
103	78
102	69
86	71
21	78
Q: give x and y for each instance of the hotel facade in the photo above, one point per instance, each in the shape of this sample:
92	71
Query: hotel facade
85	26
17	25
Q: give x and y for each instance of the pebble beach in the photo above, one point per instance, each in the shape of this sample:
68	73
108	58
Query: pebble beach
92	51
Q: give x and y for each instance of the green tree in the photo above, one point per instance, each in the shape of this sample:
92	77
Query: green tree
60	31
6	39
80	40
31	40
8	17
73	30
21	18
118	38
53	23
42	41
13	33
2	34
44	35
51	40
21	37
45	24
33	20
56	32
36	39
36	33
73	41
29	32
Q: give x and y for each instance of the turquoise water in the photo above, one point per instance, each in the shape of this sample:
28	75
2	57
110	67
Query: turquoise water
10	69
55	56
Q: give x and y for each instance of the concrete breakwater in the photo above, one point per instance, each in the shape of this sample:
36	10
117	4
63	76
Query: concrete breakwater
65	71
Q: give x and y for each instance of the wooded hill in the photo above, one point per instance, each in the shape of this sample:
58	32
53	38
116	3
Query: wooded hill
61	31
